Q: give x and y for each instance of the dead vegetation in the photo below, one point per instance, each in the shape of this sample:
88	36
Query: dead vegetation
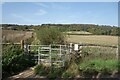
15	36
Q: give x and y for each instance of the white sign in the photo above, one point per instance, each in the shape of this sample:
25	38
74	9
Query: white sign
76	47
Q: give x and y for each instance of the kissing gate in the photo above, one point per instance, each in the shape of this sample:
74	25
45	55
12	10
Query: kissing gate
52	54
49	54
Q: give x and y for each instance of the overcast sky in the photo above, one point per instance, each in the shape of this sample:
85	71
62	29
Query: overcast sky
103	13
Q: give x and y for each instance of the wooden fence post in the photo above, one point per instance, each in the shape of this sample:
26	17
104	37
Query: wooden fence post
22	44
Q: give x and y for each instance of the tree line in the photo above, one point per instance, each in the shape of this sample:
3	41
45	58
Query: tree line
94	29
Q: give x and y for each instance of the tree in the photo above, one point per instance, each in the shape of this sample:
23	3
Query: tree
50	36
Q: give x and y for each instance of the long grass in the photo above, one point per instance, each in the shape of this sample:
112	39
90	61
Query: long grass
104	53
99	65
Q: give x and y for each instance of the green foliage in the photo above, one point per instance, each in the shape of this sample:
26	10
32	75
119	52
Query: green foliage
14	60
95	29
99	65
118	66
55	72
104	53
50	36
41	70
114	31
67	75
92	28
50	72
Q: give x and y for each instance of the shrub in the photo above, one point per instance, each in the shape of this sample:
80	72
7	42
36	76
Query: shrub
50	36
14	60
67	75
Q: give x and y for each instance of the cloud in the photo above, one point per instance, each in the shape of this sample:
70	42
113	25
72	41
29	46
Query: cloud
41	12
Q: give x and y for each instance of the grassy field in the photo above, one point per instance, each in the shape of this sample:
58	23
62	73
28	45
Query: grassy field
93	39
78	33
15	36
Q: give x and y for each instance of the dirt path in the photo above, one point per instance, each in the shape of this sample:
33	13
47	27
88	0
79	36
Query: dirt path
29	73
25	74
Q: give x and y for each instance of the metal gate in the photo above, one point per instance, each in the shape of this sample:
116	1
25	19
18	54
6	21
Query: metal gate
50	54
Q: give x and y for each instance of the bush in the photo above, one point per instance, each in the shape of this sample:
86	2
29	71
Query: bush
50	36
14	60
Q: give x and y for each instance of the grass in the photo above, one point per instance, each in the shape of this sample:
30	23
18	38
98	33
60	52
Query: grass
73	67
98	52
93	39
99	65
67	75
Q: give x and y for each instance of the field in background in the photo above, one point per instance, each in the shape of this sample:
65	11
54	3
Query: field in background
78	33
74	36
93	39
15	36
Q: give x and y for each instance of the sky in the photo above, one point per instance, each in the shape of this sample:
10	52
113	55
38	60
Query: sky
35	13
